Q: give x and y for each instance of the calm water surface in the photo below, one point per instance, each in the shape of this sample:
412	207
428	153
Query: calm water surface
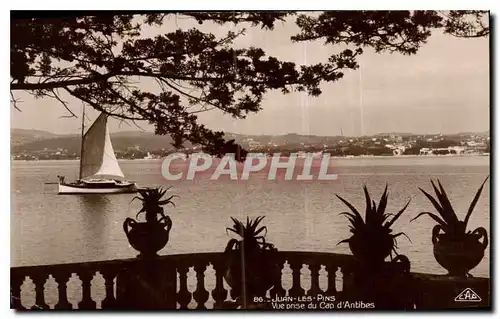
47	228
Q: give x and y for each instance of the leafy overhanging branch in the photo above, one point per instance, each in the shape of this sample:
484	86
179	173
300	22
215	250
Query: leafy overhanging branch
96	58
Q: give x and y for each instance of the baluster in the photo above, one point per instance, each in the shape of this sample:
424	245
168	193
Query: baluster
15	286
296	289
39	281
339	280
278	290
87	302
314	268
62	278
332	269
200	294
109	301
183	296
219	293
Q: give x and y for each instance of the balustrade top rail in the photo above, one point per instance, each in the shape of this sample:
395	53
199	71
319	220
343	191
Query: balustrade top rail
182	259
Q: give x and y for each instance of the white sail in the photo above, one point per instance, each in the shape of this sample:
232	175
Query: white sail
98	159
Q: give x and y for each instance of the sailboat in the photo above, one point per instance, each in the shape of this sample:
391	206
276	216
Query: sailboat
100	172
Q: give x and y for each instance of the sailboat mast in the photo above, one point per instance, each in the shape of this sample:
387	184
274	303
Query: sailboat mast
81	144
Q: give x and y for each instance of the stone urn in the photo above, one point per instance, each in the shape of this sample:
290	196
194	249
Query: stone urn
147	238
150	236
375	253
459	254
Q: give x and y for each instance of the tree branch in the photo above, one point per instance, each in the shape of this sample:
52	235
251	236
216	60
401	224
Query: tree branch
14	101
59	84
56	96
98	107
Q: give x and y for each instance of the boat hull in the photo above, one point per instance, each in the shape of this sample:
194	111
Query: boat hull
74	188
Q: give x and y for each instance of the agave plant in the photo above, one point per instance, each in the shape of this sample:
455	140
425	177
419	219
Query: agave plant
151	236
152	203
250	237
455	248
251	267
373	239
449	223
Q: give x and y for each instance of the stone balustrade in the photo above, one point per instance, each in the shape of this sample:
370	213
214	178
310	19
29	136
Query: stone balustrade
201	283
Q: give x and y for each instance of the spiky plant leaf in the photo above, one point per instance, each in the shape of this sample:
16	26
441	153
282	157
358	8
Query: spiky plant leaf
167	201
142	210
389	224
435	204
352	208
474	202
368	203
355	219
382	205
433	216
445	203
152	201
343	241
374	230
385	220
449	222
401	233
249	232
351	217
261	229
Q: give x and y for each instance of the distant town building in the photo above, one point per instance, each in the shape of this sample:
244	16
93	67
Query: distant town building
252	145
425	151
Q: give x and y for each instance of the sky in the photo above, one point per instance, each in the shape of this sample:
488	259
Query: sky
444	88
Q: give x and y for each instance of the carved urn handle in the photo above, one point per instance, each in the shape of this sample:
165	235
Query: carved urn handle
166	221
481	232
435	233
128	224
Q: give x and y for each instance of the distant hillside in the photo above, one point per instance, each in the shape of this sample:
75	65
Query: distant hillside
33	140
21	136
121	141
290	139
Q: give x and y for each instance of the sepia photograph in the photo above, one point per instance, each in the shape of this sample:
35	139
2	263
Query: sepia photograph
268	161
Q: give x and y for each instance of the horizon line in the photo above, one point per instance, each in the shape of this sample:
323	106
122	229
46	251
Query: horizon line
257	134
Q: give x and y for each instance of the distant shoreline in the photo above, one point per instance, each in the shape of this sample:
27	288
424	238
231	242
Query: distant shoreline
332	157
